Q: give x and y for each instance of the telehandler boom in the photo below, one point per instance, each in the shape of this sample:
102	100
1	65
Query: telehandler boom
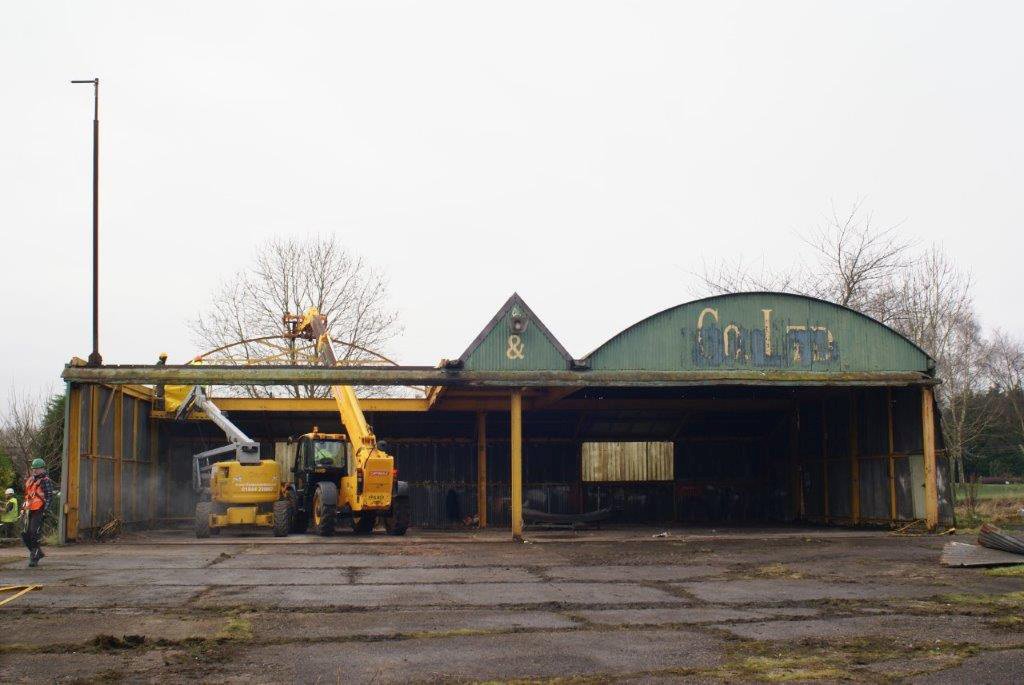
343	476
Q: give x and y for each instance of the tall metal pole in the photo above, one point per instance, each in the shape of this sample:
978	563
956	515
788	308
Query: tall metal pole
94	357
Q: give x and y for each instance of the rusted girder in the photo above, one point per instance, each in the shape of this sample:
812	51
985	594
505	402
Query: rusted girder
428	375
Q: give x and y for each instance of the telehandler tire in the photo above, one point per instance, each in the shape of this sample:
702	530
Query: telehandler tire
363	525
398	521
203	511
282	518
324	515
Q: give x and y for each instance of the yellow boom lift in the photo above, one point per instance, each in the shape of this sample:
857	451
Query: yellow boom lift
342	477
235	486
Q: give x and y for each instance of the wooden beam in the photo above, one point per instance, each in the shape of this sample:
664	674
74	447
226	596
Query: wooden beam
118	399
516	411
431	376
794	465
854	461
481	468
94	436
74	462
892	459
824	458
931	491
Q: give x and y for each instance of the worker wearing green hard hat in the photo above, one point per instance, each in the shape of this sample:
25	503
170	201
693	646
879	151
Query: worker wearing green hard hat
39	493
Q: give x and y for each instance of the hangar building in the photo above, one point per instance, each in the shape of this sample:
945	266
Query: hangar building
746	408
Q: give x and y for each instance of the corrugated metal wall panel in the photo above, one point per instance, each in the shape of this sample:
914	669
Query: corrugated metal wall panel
839	488
627	461
106	421
874	488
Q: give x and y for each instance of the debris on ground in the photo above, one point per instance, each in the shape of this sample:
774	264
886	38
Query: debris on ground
995	548
994	538
965	554
18	591
110	531
662	534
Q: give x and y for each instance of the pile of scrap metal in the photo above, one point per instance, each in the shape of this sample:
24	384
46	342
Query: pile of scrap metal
542	519
995	548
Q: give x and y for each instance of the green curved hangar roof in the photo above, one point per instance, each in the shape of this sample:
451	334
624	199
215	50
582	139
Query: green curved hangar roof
756	331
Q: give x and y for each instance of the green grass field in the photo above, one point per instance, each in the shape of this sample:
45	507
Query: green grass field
1012	491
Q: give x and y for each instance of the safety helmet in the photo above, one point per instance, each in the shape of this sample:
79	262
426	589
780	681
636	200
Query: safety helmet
8	492
38	463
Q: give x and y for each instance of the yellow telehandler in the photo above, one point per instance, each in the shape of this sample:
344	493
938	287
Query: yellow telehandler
341	477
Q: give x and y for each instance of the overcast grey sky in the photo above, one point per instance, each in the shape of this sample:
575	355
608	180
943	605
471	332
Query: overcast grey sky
587	154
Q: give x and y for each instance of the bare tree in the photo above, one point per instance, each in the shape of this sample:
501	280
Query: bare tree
851	261
26	435
1006	369
243	322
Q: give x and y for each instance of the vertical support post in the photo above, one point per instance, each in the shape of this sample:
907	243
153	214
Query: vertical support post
794	465
154	444
931	491
824	456
854	461
94	438
118	399
892	459
135	460
72	454
481	468
517	465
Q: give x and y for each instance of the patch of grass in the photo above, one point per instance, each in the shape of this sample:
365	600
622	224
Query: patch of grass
1006	571
822	660
1008	600
776	570
236	628
993	491
107	643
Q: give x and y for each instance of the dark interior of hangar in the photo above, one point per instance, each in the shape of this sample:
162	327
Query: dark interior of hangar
737	456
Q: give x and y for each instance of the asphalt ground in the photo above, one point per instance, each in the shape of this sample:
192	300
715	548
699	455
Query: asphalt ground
698	605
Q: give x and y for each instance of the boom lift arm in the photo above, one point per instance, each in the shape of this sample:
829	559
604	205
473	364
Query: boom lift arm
246	450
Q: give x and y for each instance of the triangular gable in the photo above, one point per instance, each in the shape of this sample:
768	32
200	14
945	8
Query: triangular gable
500	348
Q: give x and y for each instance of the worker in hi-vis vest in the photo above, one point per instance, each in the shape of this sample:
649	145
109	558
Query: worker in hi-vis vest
8	514
38	495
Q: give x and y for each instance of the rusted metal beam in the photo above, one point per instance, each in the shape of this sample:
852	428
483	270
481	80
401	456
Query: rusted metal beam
424	375
931	493
481	468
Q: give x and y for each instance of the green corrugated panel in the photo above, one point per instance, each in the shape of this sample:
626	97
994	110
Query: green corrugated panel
730	332
499	348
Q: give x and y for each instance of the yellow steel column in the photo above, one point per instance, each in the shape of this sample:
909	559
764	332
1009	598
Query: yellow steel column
931	491
517	465
854	462
481	468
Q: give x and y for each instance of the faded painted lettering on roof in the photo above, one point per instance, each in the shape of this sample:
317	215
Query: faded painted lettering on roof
759	331
803	344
